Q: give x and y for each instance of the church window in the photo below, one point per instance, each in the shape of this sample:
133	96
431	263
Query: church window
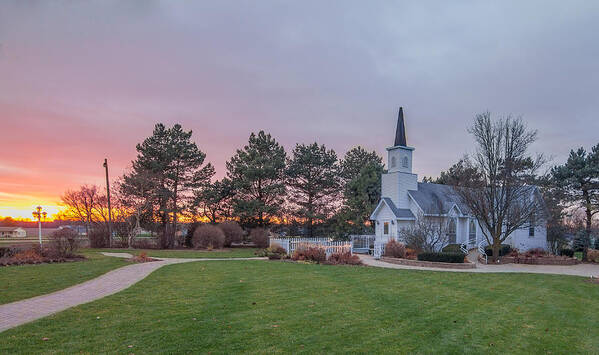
393	162
386	228
531	227
452	231
472	232
404	162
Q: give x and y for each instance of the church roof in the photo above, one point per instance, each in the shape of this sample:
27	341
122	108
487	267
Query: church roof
400	213
437	199
400	132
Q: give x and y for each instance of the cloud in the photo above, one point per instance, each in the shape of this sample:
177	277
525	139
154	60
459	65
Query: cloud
82	81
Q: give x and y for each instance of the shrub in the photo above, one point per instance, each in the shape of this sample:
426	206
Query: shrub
208	236
29	256
567	252
411	254
395	249
7	252
259	237
145	243
451	248
276	252
142	258
504	249
593	255
310	254
233	232
442	257
98	238
64	243
345	258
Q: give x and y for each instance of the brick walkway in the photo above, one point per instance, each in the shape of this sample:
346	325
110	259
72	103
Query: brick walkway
21	312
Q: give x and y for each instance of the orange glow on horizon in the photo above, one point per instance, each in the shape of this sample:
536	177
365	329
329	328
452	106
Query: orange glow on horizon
22	211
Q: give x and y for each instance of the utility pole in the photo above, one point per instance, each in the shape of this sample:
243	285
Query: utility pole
109	209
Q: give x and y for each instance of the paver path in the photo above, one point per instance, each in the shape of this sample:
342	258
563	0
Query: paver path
575	270
24	311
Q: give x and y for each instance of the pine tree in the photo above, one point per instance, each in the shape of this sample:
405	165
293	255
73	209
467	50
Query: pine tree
313	179
175	166
257	173
578	181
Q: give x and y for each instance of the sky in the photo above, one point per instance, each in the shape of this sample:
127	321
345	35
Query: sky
81	81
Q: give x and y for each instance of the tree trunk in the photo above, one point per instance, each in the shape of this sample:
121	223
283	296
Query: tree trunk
589	221
496	247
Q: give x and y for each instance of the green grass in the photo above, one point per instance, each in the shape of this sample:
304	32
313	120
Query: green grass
270	307
224	253
25	281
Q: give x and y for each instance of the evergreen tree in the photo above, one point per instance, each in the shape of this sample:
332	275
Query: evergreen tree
175	166
361	176
258	175
578	181
313	179
214	200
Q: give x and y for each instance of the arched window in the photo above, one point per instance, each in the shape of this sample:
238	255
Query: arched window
404	162
393	162
452	231
472	232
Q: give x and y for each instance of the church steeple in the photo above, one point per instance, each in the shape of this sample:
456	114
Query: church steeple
400	132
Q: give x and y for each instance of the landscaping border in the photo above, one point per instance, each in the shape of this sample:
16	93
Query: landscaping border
409	262
532	261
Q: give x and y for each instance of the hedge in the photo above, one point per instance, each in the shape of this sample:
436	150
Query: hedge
444	257
504	249
567	252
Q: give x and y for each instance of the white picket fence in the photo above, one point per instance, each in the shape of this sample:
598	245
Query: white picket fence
330	246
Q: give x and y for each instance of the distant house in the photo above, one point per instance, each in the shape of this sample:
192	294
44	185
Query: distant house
12	232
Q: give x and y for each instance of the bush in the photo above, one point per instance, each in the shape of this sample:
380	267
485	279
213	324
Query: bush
452	248
593	255
259	237
276	252
233	232
208	236
98	238
567	252
505	249
310	254
29	256
395	249
411	254
442	257
64	243
343	259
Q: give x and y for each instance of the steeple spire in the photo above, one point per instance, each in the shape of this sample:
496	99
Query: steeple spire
400	133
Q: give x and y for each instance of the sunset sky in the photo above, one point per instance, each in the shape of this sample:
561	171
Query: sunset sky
81	81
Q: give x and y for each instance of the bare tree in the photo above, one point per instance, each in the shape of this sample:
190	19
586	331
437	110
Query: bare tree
427	234
82	205
505	202
133	198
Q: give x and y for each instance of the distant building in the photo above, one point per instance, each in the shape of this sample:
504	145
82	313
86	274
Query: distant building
12	232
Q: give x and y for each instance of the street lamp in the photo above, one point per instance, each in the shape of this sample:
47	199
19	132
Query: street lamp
39	215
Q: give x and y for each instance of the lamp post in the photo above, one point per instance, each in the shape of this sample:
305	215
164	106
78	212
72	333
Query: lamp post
38	214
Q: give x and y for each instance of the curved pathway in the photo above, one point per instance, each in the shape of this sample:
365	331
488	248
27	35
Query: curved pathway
587	270
24	311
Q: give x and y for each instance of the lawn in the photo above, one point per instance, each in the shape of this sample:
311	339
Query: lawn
25	281
271	307
170	253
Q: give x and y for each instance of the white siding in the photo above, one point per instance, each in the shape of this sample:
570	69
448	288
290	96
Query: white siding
396	186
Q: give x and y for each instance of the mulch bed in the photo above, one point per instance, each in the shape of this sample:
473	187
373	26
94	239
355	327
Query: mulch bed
142	259
544	260
10	261
410	262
